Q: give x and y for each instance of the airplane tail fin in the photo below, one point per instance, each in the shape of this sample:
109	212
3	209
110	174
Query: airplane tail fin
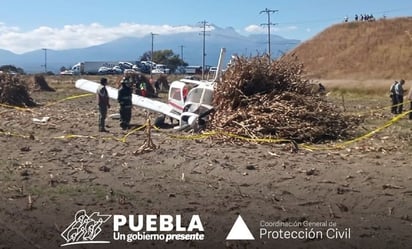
220	64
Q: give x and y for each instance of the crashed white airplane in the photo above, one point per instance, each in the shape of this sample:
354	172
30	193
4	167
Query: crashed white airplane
190	110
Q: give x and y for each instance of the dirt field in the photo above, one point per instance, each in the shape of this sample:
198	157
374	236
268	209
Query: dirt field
363	190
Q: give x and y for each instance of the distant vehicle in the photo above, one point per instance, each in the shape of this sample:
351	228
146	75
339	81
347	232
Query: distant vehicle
110	70
193	69
91	67
180	70
104	70
149	63
131	71
144	66
67	72
125	65
117	70
161	69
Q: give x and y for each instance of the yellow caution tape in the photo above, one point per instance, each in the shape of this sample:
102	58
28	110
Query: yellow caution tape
193	137
371	133
74	136
388	107
215	133
12	134
123	139
17	108
70	98
305	146
53	103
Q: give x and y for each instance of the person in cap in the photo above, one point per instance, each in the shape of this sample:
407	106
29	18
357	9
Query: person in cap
103	103
125	101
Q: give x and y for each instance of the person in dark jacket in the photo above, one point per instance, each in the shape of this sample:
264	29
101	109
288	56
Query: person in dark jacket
103	103
125	101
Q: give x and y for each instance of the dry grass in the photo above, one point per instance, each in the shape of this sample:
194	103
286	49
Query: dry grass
374	87
360	50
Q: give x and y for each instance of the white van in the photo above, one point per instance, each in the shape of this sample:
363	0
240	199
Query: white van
161	69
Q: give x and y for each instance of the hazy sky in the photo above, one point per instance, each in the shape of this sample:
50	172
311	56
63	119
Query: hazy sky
27	25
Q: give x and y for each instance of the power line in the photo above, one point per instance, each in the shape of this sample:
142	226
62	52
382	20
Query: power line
268	24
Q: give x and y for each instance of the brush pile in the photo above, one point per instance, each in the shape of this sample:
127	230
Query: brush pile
258	98
13	91
40	84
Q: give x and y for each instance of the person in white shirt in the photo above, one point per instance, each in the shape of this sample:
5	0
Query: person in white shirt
399	96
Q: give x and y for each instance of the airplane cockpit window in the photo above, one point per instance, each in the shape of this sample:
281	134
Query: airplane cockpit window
176	94
208	97
194	95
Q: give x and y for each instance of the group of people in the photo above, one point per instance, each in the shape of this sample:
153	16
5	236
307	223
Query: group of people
124	99
397	97
362	18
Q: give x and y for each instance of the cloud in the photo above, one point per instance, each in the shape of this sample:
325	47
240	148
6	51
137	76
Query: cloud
4	28
257	29
77	36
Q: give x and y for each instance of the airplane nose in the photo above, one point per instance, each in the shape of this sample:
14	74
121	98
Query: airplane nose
192	120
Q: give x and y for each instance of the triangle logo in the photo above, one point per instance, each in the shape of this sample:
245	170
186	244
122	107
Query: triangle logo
240	231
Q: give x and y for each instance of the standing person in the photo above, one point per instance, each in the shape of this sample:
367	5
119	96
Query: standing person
137	84
399	96
143	89
125	100
392	95
103	103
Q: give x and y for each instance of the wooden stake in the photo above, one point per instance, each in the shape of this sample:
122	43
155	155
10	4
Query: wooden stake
148	144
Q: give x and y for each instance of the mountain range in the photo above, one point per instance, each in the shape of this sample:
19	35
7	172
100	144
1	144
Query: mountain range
132	48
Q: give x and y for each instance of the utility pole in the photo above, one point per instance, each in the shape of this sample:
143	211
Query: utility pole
181	52
204	24
268	24
45	60
151	55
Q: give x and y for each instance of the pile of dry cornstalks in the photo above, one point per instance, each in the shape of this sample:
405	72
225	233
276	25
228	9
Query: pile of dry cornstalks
258	98
13	91
40	84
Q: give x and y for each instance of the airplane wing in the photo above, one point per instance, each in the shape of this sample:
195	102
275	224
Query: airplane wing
150	104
